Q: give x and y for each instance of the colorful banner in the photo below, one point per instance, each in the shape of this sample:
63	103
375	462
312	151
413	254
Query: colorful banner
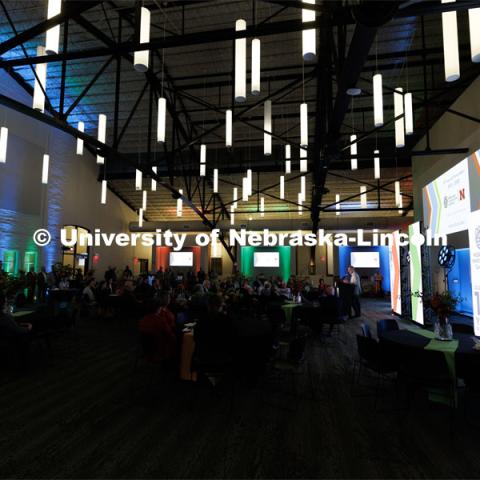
416	285
474	240
395	285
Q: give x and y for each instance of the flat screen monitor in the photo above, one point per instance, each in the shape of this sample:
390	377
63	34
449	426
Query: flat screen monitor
266	259
181	259
365	259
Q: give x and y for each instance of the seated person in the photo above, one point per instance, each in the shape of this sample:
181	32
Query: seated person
159	323
89	293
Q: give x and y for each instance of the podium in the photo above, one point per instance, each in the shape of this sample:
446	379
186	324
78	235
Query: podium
345	293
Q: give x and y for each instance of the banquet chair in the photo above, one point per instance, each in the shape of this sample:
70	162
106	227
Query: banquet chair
386	325
366	330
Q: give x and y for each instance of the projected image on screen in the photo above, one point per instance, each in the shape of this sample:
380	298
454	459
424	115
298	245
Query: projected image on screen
266	259
181	259
365	259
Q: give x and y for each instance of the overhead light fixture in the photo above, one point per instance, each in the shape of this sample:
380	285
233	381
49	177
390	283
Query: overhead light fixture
288	166
309	49
3	144
256	66
282	187
408	113
300	204
140	217
203	170
80	128
288	152
235	197
138	179
473	23
303	189
262	206
400	204
103	196
337	204
140	58
250	182
180	204
363	196
102	128
397	193
376	164
215	180
377	100
52	39
228	128
450	44
267	126
353	152
244	189
303	160
144	200
161	119
203	153
100	160
399	122
232	216
154	182
304	125
40	84
240	63
46	162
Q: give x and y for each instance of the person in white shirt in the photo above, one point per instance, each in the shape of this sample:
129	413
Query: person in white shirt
355	280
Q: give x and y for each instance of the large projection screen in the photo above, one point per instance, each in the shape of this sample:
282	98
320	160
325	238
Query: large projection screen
416	287
446	201
266	259
395	284
474	240
365	259
181	259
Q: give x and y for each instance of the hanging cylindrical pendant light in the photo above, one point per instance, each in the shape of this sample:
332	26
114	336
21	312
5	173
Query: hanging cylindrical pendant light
353	152
376	164
3	144
363	196
303	189
282	187
103	196
161	119
203	170
80	128
303	160
232	216
377	100
399	122
100	160
267	126
240	63
140	58
154	182
215	180
140	217
46	162
102	128
309	47
203	153
262	206
288	166
304	125
52	39
144	200
397	193
180	204
250	182
138	179
450	44
228	128
400	204
337	204
473	23
408	113
288	152
244	189
40	79
235	197
256	66
300	204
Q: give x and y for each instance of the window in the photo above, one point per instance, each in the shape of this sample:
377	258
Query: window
29	261
10	261
77	256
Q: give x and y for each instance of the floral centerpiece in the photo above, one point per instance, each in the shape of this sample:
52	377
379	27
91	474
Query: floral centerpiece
443	305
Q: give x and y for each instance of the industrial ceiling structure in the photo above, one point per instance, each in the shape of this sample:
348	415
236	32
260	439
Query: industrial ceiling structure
192	58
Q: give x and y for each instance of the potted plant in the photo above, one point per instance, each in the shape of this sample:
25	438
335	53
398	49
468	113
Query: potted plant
443	304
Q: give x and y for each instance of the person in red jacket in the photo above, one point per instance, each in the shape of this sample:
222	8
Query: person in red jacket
160	326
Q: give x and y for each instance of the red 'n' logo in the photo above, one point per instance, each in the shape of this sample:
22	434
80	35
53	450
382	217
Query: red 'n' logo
462	194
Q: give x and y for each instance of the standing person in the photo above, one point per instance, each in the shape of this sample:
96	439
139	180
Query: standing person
357	291
42	279
31	281
378	278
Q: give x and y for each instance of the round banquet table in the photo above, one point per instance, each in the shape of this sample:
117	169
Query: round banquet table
465	356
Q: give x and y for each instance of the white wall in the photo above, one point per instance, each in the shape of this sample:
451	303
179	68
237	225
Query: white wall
72	195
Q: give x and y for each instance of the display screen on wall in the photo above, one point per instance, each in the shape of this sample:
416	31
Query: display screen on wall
395	284
266	259
181	259
446	200
365	259
474	240
416	284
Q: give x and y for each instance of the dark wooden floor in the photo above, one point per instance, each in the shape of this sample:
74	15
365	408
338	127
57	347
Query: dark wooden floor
74	418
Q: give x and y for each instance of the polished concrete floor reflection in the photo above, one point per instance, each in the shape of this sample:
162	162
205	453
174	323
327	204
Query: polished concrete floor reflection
73	417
